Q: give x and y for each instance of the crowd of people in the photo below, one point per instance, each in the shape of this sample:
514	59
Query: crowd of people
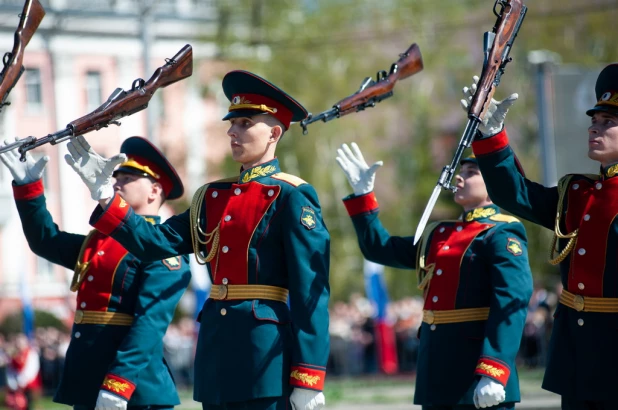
353	348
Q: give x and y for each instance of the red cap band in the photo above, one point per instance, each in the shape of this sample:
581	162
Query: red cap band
262	103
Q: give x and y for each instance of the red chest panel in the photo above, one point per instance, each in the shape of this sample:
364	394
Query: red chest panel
447	249
237	211
103	255
592	208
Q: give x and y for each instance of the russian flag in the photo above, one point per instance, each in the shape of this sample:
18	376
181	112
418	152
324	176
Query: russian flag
386	346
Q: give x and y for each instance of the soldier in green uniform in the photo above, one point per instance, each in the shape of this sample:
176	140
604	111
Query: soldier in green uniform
581	211
124	305
476	283
263	239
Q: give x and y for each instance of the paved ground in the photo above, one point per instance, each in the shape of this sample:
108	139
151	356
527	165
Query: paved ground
398	398
380	393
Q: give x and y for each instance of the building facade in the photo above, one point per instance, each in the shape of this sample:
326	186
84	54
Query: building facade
83	50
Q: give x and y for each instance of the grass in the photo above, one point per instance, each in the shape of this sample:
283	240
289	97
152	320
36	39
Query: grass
365	389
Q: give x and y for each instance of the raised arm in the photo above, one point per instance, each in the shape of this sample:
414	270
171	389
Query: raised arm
506	182
375	242
44	237
114	217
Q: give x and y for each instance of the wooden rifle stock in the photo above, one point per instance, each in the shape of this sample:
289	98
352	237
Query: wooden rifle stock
29	21
122	103
497	45
505	30
372	92
409	63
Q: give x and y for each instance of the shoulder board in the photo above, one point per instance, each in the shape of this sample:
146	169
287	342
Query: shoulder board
503	218
224	180
290	179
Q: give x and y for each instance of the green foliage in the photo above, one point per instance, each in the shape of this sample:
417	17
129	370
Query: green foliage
13	323
319	51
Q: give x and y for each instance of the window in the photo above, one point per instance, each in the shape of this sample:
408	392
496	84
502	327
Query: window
34	90
93	90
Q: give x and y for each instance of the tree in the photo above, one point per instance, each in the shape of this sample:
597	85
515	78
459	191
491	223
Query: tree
320	50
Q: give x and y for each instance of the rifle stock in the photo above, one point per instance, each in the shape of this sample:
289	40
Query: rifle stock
30	19
409	63
505	31
372	92
498	46
120	104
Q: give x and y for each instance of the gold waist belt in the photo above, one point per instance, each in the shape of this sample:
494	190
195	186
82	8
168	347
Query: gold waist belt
92	317
240	292
439	317
588	303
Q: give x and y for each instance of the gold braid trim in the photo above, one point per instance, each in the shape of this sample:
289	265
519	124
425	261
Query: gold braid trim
423	281
572	237
79	272
259	107
196	231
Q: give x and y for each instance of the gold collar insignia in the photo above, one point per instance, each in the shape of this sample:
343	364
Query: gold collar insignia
257	172
611	171
479	213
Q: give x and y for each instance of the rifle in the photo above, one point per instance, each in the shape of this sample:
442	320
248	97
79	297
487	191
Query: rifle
372	92
120	104
497	45
29	20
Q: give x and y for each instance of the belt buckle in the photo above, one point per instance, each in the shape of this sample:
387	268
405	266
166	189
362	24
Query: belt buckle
429	317
79	316
578	303
221	292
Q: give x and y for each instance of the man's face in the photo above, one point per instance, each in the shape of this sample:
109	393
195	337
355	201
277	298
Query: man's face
471	190
250	138
136	190
603	138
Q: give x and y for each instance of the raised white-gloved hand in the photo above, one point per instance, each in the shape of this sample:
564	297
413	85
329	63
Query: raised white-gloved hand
488	393
23	172
303	399
94	170
493	122
360	175
108	401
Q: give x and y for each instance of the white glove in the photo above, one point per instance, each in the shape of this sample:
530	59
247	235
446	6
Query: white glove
108	401
303	399
94	170
23	172
493	122
360	175
488	393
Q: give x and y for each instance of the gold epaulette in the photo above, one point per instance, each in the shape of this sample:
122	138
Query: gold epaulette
503	218
289	178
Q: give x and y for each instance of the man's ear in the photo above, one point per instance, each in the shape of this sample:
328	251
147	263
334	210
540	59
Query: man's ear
275	133
156	191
